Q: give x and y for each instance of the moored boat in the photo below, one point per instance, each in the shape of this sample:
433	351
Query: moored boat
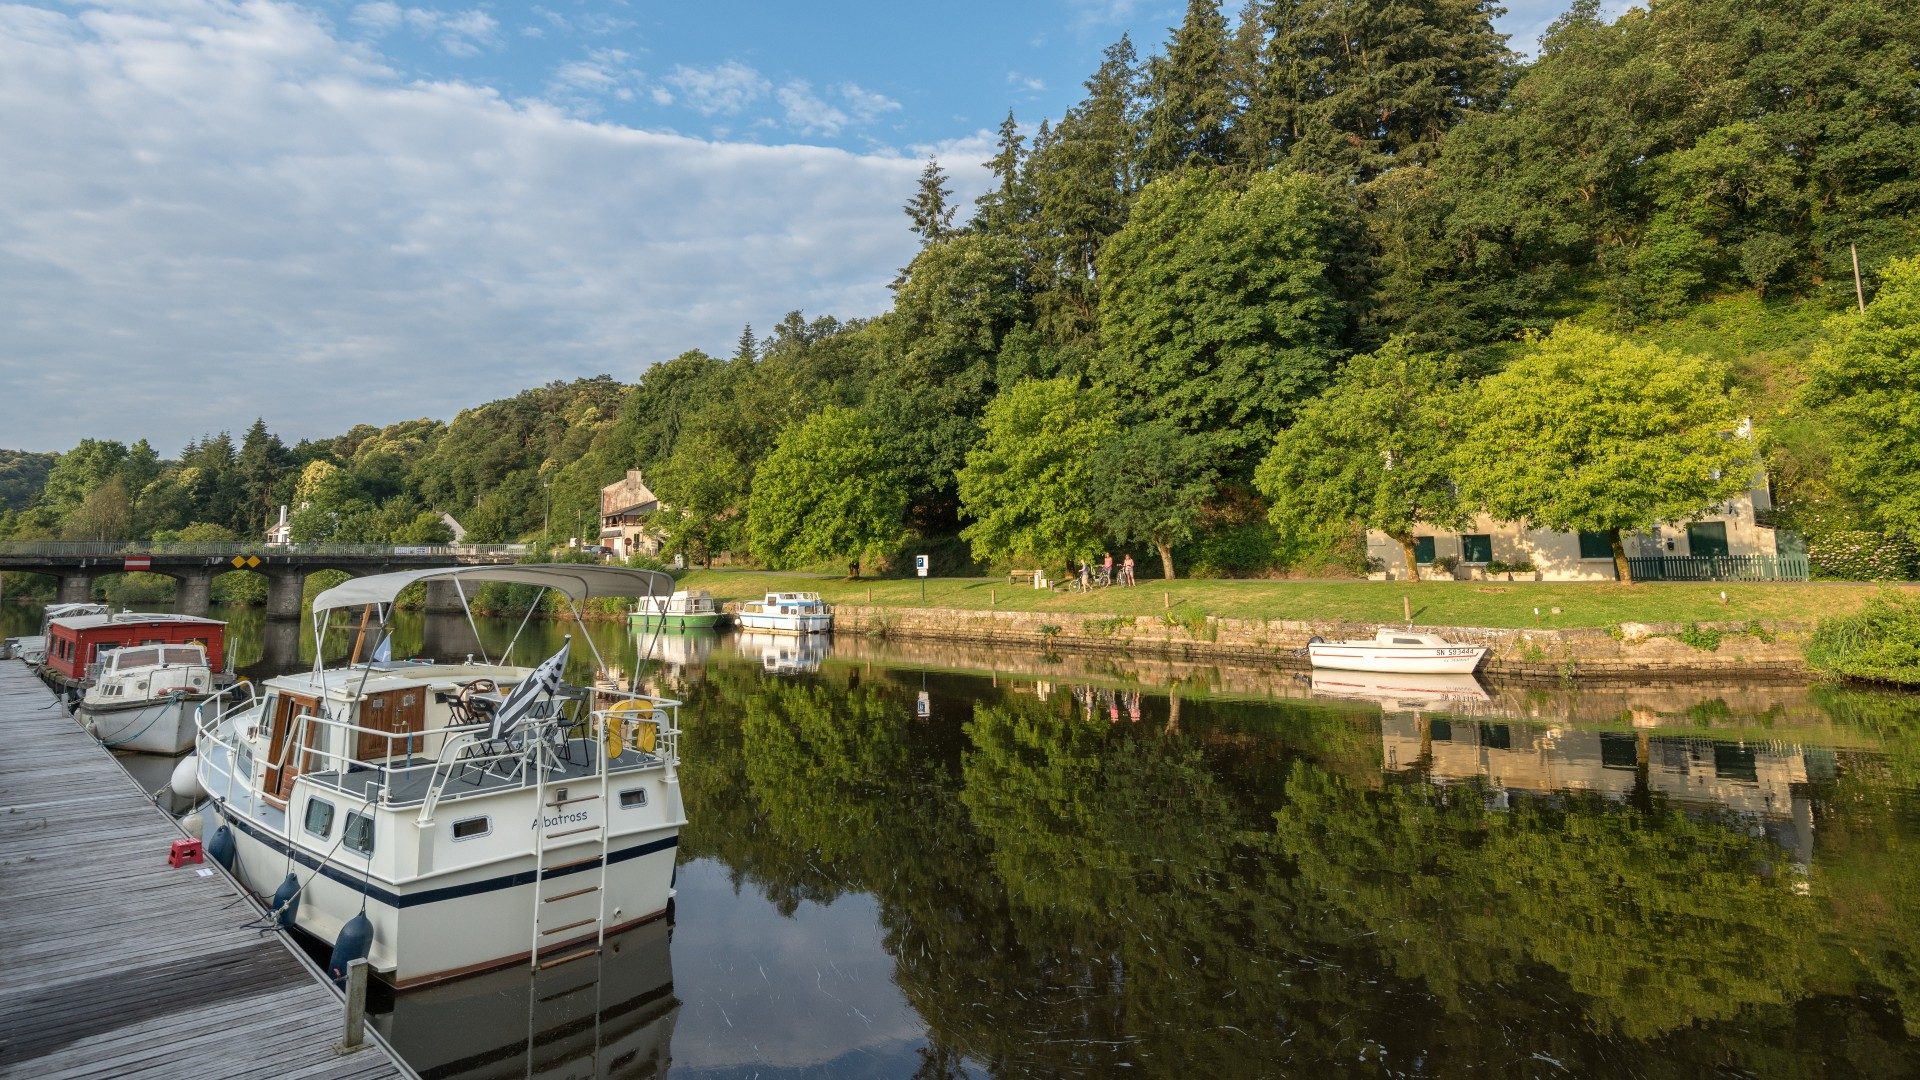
81	646
1410	652
688	609
32	648
381	804
787	613
142	697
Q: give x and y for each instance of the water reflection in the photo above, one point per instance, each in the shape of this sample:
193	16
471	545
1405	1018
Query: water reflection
784	654
931	860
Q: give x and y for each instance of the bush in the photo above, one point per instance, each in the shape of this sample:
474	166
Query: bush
1881	643
1859	555
1247	549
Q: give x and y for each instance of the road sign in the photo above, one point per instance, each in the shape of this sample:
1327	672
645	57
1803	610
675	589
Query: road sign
253	561
139	562
920	564
923	707
239	562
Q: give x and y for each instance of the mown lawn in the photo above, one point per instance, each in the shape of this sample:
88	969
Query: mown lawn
1435	603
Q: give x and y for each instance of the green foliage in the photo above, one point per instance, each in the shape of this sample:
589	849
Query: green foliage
828	490
1376	449
1222	310
23	474
1880	643
1589	432
1866	387
1029	484
1151	483
1861	555
1706	639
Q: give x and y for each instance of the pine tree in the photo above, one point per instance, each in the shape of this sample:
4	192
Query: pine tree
1189	112
748	350
932	218
1086	170
1004	206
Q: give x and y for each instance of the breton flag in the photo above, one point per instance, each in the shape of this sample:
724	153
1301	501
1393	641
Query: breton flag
543	683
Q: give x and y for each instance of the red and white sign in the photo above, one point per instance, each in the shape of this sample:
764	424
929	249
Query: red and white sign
139	562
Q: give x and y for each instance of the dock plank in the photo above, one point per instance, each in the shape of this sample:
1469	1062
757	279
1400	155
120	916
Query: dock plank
113	963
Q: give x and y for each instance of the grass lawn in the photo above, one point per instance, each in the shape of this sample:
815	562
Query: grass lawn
1435	603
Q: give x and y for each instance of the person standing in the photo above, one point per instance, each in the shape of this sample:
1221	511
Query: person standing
1086	576
1106	568
1126	569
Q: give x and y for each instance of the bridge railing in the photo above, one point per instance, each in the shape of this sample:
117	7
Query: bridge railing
68	548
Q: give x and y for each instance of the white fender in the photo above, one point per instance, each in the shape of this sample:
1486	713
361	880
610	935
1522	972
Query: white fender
186	778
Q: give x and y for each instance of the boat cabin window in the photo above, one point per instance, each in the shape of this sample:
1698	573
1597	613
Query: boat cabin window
183	654
133	658
633	797
1408	641
468	828
358	834
320	818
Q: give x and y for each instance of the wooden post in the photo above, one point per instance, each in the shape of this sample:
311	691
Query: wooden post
356	1030
1166	600
366	613
993	597
1406	607
1859	293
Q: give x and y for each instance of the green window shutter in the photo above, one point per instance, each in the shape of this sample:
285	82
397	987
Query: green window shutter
1595	545
1706	539
1423	549
1476	548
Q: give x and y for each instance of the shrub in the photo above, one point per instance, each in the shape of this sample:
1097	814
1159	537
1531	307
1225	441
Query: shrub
1700	637
1859	555
1880	643
1237	550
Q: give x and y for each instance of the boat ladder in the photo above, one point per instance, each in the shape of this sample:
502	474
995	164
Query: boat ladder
569	878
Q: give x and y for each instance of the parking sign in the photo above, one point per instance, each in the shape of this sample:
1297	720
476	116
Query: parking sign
920	564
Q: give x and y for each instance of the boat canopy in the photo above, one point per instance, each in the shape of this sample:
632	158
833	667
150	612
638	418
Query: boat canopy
577	580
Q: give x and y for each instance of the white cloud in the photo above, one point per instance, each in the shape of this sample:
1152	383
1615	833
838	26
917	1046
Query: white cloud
1030	83
807	113
460	33
229	211
866	105
721	90
580	85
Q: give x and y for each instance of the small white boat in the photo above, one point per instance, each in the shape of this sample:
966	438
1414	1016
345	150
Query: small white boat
1410	652
787	613
143	697
444	818
685	610
32	648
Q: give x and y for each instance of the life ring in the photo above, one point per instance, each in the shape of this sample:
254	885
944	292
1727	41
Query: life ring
626	725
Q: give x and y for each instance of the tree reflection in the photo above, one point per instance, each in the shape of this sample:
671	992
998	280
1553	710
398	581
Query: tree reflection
1242	893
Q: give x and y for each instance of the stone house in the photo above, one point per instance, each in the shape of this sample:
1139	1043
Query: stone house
626	509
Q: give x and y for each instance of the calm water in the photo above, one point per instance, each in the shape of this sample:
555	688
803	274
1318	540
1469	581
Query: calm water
910	860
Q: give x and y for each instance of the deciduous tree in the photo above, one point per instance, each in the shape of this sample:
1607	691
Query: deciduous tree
1029	483
827	491
1152	481
1588	432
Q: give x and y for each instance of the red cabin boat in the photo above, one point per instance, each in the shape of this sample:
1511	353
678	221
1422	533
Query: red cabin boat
75	644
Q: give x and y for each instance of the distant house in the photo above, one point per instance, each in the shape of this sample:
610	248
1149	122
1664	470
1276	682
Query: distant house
626	507
1729	541
459	531
281	534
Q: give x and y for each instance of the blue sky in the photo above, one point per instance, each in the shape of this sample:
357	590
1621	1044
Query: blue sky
331	213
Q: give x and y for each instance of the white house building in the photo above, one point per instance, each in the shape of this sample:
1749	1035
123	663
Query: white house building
626	506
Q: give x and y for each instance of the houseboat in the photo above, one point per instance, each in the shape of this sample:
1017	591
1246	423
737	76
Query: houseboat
685	610
1407	652
142	697
787	613
444	818
79	645
32	648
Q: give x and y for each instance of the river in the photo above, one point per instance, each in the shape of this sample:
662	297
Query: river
914	860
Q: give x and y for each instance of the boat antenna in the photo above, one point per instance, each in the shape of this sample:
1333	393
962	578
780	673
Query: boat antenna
646	653
539	595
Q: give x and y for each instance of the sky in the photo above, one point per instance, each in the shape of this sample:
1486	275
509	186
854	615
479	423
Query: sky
325	214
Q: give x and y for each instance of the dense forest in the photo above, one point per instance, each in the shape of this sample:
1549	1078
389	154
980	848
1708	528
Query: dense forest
1304	269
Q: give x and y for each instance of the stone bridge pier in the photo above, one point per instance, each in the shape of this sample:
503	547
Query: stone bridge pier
194	593
284	586
76	586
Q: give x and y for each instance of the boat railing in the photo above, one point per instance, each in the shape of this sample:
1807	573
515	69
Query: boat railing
225	702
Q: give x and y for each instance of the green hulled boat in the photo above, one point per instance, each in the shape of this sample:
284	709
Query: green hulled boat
685	610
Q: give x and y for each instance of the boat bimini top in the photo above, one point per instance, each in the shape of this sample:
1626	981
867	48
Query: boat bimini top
575	581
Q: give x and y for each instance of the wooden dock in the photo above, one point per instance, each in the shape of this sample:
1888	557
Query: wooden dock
112	962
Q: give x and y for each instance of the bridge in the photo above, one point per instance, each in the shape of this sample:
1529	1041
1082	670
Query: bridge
78	564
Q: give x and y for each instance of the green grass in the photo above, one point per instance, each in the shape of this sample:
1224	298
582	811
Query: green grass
1434	603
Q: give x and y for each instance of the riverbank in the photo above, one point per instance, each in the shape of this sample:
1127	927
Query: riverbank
1585	631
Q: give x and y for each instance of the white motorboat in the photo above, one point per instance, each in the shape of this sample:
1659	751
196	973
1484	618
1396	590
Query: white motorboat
1410	652
787	613
33	647
381	805
1402	693
143	697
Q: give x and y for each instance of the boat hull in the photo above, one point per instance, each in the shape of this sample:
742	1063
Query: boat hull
705	621
1403	660
164	726
459	924
786	624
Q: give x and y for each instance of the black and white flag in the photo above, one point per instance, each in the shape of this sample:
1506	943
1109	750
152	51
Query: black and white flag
542	684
